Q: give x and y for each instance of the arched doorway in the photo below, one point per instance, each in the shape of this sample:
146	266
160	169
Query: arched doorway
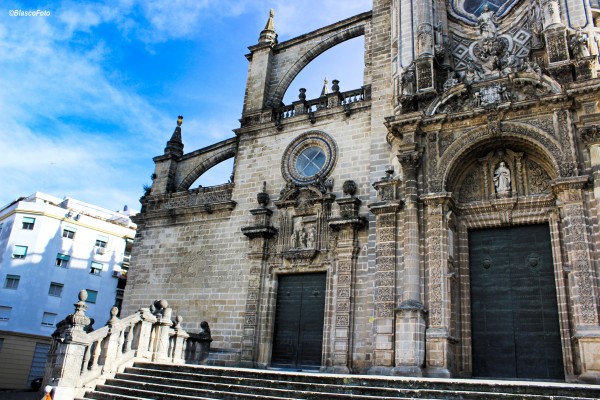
511	291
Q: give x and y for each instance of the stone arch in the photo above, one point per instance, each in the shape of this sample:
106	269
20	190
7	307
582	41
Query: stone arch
322	46
208	160
519	135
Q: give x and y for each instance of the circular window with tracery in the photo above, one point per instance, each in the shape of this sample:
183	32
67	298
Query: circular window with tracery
311	156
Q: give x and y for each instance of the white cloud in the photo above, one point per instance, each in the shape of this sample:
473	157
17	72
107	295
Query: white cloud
69	126
296	18
65	125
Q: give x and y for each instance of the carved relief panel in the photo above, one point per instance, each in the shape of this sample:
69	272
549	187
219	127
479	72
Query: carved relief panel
303	227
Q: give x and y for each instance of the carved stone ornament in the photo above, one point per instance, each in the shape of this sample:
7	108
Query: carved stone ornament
424	39
579	44
590	134
491	95
349	187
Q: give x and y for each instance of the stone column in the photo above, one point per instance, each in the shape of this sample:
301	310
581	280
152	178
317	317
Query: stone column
424	45
410	315
439	343
258	234
582	277
346	251
385	210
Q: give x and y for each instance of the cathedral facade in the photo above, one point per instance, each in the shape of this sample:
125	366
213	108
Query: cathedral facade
441	220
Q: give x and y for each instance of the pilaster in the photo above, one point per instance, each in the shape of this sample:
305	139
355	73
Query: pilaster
581	278
346	252
410	315
439	344
258	234
385	210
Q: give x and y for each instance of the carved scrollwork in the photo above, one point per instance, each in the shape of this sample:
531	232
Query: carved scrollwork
538	181
470	189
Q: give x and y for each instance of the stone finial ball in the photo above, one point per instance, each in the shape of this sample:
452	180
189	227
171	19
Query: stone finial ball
178	319
83	295
114	311
349	187
163	303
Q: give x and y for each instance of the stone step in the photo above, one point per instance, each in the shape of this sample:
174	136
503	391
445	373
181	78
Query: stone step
547	389
165	392
304	390
168	381
219	391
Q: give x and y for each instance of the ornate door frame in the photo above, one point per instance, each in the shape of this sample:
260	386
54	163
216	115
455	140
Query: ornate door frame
541	211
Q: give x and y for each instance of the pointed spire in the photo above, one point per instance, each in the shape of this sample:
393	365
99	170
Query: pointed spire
268	35
175	145
325	90
270	26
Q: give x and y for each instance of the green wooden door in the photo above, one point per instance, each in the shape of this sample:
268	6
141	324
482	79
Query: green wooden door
514	312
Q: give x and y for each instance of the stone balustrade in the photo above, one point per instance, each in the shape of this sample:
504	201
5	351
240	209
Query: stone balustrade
334	99
80	357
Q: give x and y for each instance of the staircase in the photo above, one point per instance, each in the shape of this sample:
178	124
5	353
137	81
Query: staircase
167	381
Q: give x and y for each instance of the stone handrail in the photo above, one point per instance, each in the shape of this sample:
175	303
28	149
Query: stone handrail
80	358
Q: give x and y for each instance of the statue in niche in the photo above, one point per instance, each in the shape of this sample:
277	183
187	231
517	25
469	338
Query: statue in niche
473	74
502	179
531	67
407	82
536	24
579	44
439	42
303	237
486	23
310	238
296	238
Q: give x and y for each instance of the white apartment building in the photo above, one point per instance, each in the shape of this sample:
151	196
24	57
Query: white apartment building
50	249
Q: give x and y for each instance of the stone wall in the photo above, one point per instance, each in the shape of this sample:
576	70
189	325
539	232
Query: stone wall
410	165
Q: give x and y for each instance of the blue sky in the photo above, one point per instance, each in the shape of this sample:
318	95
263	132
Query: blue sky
89	94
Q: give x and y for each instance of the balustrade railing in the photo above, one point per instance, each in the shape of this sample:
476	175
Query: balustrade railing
331	100
80	357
